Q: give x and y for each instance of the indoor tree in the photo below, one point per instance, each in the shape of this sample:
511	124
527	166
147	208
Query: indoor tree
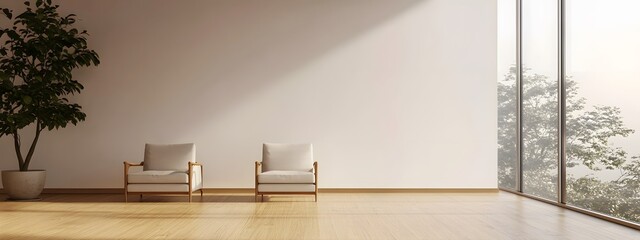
39	52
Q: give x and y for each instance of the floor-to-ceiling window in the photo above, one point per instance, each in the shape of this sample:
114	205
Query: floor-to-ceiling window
539	98
598	150
603	106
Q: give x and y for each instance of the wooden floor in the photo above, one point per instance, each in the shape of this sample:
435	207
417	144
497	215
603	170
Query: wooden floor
335	216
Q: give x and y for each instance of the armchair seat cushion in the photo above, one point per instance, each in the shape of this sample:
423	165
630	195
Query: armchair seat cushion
286	177
283	188
159	177
158	187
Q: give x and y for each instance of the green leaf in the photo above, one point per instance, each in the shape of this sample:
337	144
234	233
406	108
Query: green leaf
40	33
7	84
7	13
13	35
4	76
27	99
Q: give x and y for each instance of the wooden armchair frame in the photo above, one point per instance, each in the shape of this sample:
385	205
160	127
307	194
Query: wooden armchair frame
258	167
190	173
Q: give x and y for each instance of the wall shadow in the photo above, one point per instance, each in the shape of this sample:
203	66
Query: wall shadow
184	64
171	69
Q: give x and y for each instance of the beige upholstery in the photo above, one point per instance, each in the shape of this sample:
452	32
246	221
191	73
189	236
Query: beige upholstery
292	157
286	177
286	169
135	169
166	169
159	177
164	188
172	157
283	188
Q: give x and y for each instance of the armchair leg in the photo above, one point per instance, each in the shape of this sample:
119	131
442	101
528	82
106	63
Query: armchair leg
140	197
201	193
126	194
316	197
190	196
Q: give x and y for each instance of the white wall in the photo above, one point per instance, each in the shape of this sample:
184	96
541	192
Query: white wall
393	94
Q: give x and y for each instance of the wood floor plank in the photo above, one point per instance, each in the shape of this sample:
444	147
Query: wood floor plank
334	216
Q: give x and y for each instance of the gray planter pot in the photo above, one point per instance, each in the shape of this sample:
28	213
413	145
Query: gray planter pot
23	185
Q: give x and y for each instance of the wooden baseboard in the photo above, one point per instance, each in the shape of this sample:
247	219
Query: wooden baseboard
369	190
251	190
83	190
230	190
408	190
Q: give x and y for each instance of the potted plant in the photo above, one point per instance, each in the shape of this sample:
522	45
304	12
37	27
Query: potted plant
39	51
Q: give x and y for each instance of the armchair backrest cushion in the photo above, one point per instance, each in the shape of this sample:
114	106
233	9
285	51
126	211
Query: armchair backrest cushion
287	157
174	157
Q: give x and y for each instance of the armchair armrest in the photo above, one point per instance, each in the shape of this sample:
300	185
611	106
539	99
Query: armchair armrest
258	167
193	183
126	172
193	165
127	165
258	170
315	173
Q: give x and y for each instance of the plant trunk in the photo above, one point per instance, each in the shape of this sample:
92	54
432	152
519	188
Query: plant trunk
23	162
16	144
32	149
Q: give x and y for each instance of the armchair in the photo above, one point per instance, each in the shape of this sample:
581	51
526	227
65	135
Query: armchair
166	169
286	169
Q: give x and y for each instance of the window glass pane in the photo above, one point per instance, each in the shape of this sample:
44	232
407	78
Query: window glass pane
540	98
602	67
507	92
